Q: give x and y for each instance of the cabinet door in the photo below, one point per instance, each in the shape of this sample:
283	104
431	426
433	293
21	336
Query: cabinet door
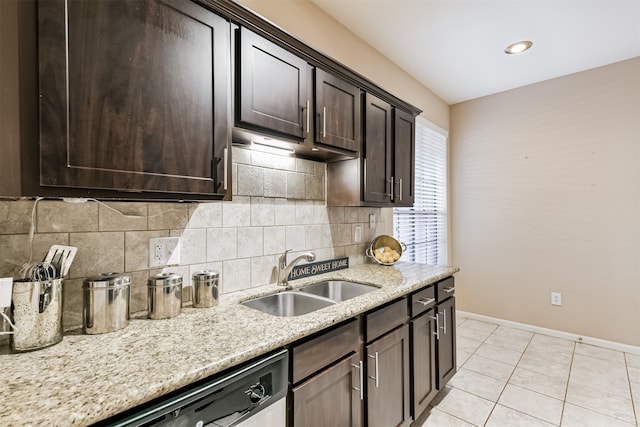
404	158
388	399
378	184
423	354
446	313
338	112
331	398
133	96
272	87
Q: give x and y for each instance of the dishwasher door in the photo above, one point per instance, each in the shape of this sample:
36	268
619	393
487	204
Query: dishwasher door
251	396
271	416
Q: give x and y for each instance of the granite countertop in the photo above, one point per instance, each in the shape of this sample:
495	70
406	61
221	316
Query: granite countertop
87	378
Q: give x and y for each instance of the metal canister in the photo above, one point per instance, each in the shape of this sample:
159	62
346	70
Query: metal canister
164	295
205	288
106	303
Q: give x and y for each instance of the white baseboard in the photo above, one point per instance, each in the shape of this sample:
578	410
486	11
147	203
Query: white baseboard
554	333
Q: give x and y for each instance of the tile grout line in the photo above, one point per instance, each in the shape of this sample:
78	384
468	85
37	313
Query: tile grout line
635	422
474	352
566	389
507	382
633	402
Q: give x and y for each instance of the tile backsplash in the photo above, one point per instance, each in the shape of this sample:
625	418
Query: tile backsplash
278	204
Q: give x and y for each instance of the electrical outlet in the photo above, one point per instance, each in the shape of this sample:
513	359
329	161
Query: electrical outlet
372	221
357	234
164	251
159	253
556	298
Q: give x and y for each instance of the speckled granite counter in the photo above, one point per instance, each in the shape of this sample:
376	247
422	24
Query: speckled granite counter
87	378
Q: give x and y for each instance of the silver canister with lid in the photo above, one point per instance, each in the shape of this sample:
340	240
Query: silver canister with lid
164	295
205	288
106	303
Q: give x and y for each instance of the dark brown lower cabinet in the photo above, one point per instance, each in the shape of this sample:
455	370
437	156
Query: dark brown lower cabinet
423	355
388	377
330	398
446	337
381	369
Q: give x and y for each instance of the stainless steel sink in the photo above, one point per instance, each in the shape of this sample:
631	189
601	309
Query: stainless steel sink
338	290
288	303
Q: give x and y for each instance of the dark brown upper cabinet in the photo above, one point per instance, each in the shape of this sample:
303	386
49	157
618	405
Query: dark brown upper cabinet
378	145
272	87
338	113
404	153
384	175
133	98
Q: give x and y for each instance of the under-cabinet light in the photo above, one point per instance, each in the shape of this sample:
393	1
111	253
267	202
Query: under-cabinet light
270	149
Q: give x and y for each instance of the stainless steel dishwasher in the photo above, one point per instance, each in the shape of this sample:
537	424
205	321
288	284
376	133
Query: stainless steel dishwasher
251	396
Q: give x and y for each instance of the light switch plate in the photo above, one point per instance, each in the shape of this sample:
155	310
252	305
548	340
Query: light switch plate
164	251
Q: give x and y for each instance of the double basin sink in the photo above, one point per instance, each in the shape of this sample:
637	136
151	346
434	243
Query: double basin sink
308	298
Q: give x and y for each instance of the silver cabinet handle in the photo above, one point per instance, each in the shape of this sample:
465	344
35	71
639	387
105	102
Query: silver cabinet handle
225	159
400	193
361	376
449	290
437	332
308	116
390	193
426	301
392	187
324	122
444	321
376	377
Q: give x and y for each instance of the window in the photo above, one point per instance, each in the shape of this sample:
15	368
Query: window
423	228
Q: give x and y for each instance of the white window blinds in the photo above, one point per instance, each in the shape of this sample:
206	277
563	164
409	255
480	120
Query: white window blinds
423	228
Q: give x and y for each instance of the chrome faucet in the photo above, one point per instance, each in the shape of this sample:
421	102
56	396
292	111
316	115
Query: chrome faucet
284	269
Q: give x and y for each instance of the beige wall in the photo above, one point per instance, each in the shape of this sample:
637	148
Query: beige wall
546	197
310	24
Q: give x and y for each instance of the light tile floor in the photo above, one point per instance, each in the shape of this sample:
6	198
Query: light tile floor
510	377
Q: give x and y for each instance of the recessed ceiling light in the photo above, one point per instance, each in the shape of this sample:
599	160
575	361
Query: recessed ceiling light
518	47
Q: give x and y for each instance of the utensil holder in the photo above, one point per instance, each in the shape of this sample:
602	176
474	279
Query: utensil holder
37	314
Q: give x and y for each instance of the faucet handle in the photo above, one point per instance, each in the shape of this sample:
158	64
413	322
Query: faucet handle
283	258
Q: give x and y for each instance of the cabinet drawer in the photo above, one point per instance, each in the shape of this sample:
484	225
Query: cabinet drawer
445	289
423	300
315	354
385	319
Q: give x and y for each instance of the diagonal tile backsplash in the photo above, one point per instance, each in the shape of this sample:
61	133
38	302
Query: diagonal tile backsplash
278	204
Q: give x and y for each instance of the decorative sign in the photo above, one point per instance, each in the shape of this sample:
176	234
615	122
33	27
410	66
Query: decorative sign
314	268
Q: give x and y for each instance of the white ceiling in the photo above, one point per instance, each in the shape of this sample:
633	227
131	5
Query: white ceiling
456	47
